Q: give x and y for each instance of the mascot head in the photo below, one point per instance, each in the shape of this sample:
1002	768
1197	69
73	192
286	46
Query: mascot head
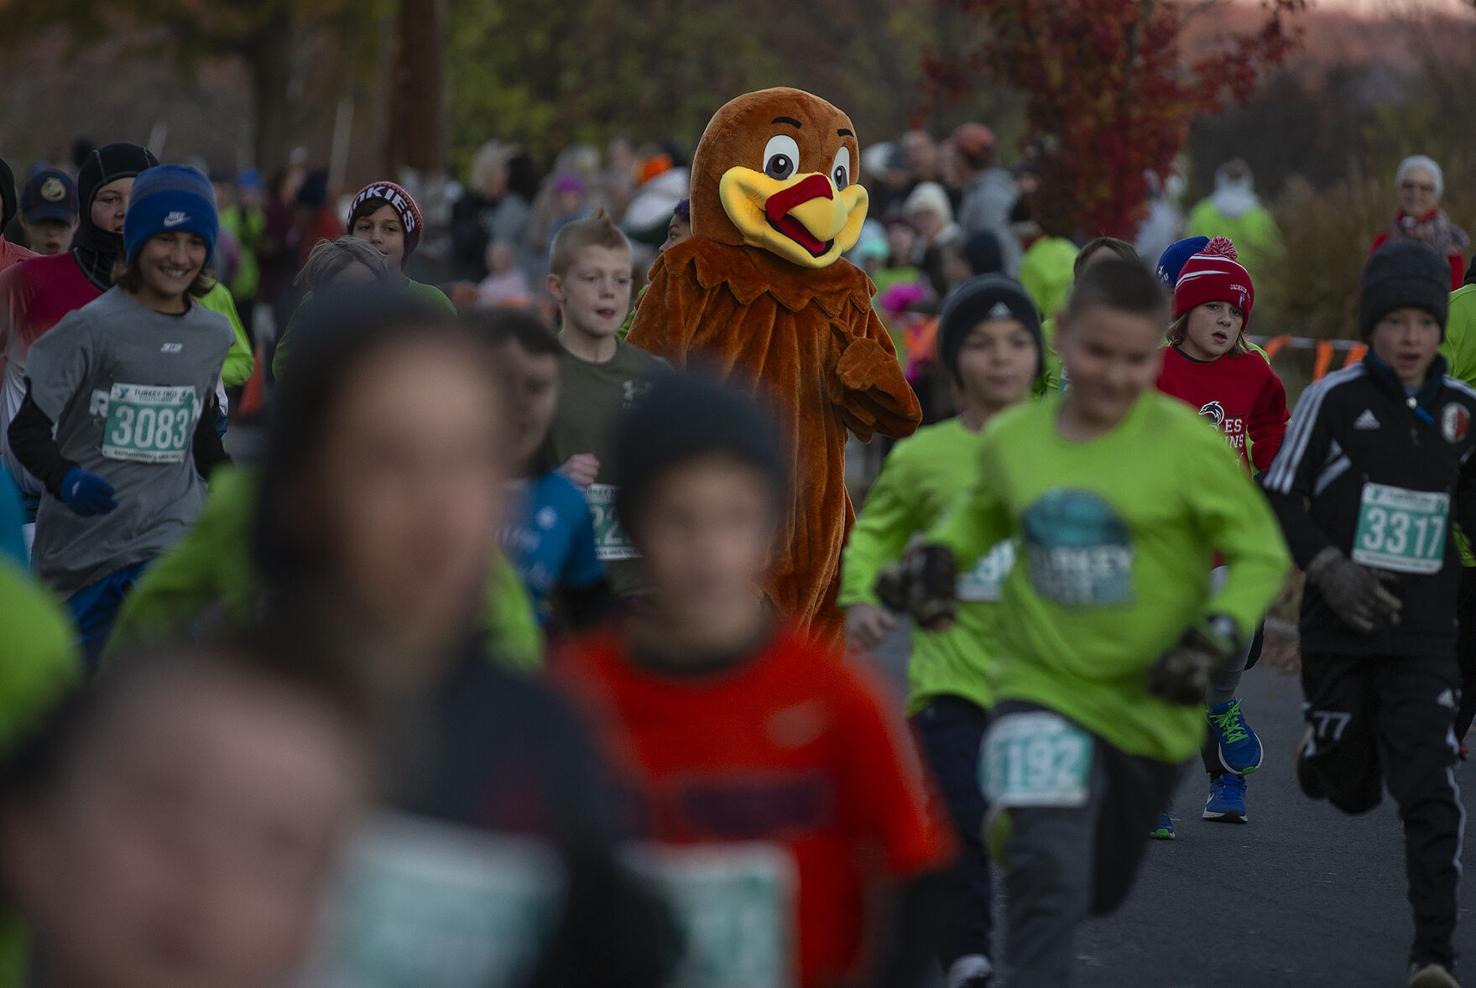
778	169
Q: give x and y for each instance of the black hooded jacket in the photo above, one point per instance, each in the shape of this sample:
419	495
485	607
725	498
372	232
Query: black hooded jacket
1358	452
97	251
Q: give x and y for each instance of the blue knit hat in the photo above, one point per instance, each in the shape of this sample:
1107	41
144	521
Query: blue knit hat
1175	256
169	199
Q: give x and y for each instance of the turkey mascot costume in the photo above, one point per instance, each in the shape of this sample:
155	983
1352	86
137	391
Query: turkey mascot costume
761	295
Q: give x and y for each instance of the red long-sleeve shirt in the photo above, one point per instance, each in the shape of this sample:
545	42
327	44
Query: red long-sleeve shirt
1240	393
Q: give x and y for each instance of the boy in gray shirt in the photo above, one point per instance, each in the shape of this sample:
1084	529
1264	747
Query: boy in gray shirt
118	416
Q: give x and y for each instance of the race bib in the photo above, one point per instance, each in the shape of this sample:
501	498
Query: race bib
1402	531
611	542
149	424
734	905
429	905
1036	759
985	582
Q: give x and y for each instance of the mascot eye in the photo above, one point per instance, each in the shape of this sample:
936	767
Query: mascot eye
781	157
841	170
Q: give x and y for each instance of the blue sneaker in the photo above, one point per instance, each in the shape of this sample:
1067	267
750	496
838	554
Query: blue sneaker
1164	830
1226	803
1240	749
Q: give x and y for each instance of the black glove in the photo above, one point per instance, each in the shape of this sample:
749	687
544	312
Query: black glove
1182	674
923	585
1356	594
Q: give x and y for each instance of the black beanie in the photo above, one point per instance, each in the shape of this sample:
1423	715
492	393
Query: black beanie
8	203
990	296
1403	274
685	417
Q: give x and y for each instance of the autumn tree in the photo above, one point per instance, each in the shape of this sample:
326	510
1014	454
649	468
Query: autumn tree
1109	91
266	35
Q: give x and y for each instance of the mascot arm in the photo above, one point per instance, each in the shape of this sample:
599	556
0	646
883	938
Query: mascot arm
867	385
663	312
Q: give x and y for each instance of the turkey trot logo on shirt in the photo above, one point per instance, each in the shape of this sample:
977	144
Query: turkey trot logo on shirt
1079	550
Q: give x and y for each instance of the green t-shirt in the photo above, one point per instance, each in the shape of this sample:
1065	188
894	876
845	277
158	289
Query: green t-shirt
38	663
592	396
1459	351
921	479
248	226
239	362
208	575
1114	543
429	294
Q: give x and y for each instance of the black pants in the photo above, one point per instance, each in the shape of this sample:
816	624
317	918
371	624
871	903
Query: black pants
950	731
1388	721
1466	652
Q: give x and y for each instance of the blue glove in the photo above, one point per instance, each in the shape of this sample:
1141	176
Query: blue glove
87	493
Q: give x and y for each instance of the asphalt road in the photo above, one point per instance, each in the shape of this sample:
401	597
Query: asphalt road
1299	896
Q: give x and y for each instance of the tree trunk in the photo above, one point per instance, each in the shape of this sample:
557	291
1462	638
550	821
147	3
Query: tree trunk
417	133
268	56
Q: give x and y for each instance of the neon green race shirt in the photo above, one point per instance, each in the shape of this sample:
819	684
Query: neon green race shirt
920	480
1114	542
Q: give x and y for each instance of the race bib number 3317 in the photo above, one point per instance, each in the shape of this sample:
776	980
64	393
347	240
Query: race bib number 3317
1402	531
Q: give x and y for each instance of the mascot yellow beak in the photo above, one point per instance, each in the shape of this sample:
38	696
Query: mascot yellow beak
804	219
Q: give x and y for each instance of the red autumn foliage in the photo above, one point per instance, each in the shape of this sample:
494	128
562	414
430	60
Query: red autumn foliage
1109	93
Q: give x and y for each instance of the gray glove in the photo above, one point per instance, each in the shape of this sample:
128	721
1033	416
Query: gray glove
923	585
1357	595
1182	674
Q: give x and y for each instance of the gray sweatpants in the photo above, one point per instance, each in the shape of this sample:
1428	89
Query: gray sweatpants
1063	865
1226	683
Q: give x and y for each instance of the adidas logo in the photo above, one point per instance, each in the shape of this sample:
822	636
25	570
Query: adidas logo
1447	699
1001	311
176	218
1367	421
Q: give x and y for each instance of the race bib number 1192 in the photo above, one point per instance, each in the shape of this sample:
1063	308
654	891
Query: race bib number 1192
1036	759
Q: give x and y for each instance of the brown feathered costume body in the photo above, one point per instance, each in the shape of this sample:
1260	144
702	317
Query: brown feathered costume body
761	294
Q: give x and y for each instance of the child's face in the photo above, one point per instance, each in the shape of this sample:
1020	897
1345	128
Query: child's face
190	842
383	230
901	241
1111	358
997	363
707	532
170	262
110	205
49	236
1407	340
410	483
595	295
1212	330
533	390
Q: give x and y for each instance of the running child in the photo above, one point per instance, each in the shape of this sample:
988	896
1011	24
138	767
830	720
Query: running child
1210	365
600	375
550	535
1109	631
118	421
48	210
744	745
990	345
1377	467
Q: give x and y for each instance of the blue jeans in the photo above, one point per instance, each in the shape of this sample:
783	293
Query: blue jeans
95	607
951	732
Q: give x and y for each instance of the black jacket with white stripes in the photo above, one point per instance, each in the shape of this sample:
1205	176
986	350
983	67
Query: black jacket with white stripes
1381	474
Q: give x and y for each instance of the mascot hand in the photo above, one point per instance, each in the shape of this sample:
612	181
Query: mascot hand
863	364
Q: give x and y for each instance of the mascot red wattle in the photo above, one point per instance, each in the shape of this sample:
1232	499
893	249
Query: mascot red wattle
761	294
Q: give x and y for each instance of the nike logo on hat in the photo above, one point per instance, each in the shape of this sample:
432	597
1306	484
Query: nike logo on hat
176	218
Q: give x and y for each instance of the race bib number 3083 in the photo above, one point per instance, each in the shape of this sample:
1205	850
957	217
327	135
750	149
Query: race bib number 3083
1036	759
149	424
611	542
1402	531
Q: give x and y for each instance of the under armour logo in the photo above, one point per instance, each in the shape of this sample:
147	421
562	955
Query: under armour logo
1447	699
